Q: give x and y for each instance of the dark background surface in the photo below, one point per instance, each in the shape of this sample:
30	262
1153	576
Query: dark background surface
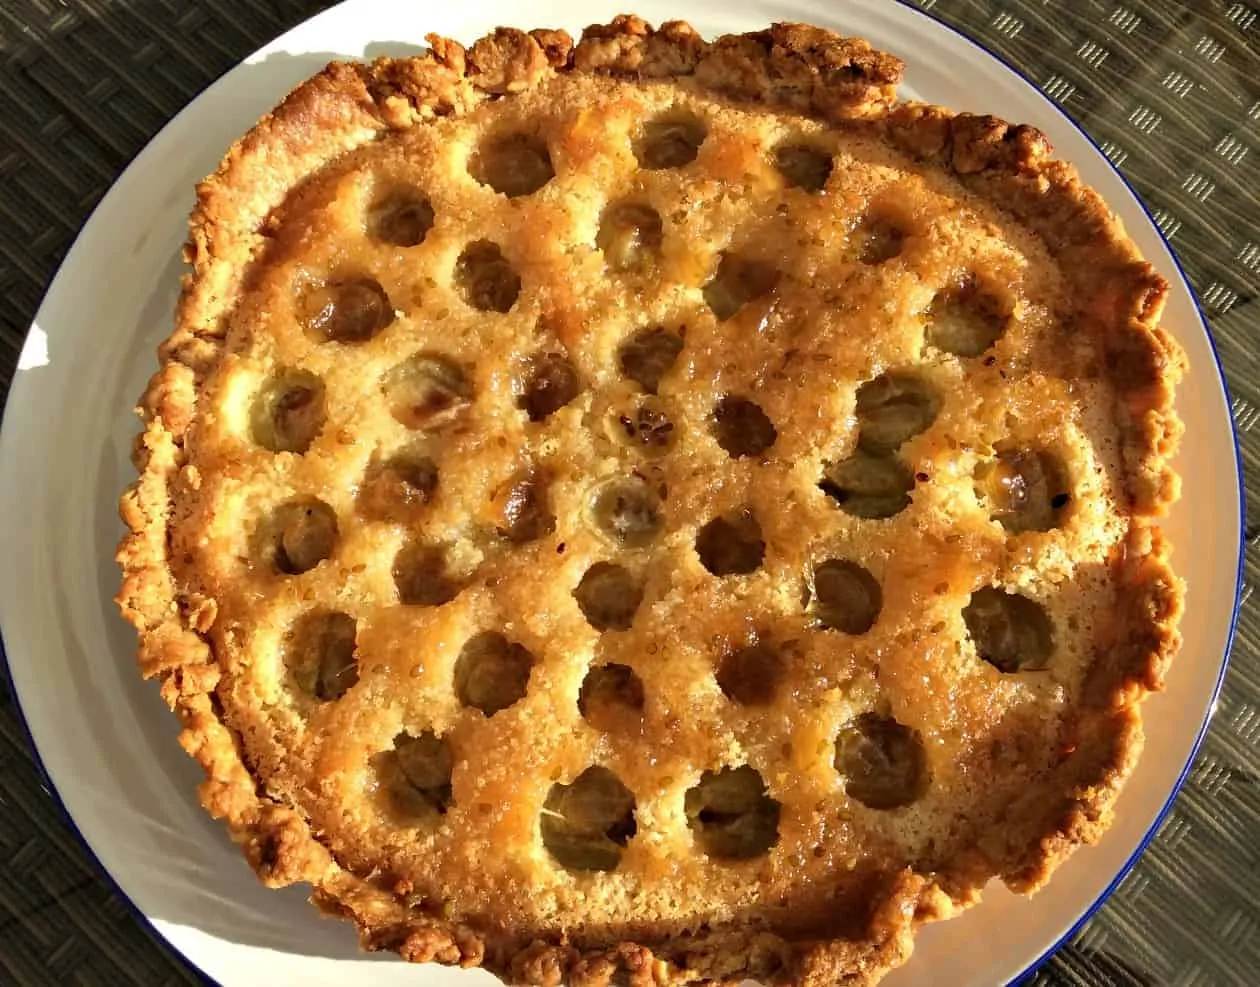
1168	90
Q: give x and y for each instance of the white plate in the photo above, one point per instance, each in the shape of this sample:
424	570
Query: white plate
107	741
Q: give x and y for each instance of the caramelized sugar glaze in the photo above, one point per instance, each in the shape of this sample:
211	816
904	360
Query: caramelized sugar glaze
658	506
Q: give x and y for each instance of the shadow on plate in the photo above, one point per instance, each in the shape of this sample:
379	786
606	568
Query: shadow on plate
394	49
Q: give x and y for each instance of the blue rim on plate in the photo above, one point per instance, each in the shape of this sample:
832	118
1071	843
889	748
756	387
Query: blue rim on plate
1120	875
1242	502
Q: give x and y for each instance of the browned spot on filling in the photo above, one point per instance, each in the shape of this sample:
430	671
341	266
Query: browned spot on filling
649	355
965	320
417	775
402	218
521	507
736	282
630	236
883	762
288	412
608	596
648	426
515	165
750	675
612	699
427	391
421	576
742	428
846	597
892	408
397	486
731	815
303	534
1026	489
352	310
670	142
320	653
731	545
628	511
878	239
868	486
586	825
550	381
803	166
1010	631
491	672
485	279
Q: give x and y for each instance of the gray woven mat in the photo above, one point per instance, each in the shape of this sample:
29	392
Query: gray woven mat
1168	90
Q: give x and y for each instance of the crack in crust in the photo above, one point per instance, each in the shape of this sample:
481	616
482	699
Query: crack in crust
804	69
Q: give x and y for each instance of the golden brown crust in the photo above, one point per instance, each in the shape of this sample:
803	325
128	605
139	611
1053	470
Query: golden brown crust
1119	295
805	68
809	71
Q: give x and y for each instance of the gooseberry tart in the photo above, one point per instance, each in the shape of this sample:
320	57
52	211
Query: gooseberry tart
654	508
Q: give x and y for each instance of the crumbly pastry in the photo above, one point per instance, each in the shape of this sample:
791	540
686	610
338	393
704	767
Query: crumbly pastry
654	508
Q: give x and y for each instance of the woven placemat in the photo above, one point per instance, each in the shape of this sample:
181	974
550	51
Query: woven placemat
1168	90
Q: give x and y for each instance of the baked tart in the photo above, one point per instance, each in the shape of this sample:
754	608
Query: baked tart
654	509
